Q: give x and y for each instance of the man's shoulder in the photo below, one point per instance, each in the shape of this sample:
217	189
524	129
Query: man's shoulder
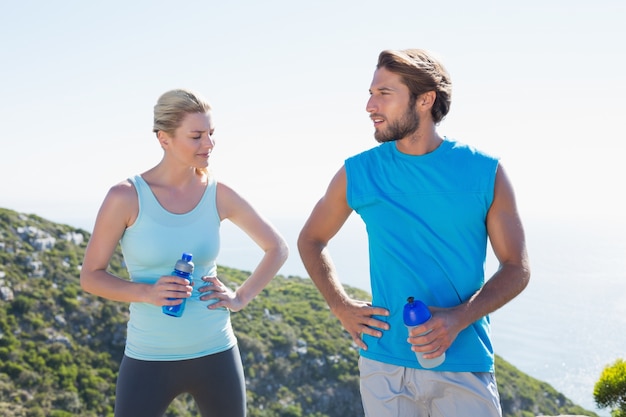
371	152
462	148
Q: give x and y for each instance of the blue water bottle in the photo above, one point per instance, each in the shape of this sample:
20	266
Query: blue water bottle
416	313
183	269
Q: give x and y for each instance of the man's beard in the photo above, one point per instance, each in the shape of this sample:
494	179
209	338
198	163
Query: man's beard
407	125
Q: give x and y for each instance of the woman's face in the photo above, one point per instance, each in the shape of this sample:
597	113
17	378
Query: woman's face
192	142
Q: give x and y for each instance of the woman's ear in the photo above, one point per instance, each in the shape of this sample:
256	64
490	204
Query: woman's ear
163	138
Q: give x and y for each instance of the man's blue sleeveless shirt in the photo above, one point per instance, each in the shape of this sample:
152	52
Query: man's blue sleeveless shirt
426	223
151	247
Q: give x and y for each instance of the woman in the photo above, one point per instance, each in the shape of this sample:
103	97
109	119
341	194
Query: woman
177	207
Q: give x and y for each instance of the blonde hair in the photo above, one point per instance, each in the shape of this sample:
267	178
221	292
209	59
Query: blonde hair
173	106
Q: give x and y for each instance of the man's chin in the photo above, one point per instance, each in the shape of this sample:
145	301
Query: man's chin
383	139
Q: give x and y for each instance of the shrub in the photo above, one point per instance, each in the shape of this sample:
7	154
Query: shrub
610	390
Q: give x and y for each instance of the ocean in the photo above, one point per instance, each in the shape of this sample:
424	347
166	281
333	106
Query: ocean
564	329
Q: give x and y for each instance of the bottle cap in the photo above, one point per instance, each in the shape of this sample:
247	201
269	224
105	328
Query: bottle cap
415	312
184	264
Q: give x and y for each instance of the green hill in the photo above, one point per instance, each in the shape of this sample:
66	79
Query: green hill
60	347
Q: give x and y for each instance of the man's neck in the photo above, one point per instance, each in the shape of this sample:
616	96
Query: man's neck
421	142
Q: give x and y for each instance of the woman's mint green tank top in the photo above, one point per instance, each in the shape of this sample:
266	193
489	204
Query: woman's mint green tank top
151	247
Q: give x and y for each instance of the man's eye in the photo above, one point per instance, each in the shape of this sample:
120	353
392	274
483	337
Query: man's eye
196	137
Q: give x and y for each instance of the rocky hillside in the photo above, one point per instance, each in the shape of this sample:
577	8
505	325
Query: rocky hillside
60	348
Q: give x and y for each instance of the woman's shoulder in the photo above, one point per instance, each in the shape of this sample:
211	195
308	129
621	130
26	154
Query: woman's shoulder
224	190
123	191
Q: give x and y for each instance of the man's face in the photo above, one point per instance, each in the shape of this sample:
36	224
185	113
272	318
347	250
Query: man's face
391	108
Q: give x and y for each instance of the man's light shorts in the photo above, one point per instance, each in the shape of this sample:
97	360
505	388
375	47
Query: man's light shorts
395	391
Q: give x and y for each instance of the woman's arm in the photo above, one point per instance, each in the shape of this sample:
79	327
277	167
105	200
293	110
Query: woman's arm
235	208
118	211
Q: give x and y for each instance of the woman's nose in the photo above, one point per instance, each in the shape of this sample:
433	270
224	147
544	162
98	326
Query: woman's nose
210	141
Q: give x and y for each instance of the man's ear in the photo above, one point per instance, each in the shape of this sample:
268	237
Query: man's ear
427	100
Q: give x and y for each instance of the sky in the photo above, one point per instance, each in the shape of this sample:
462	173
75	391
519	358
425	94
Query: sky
538	83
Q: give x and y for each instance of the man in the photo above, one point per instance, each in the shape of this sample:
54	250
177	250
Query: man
430	204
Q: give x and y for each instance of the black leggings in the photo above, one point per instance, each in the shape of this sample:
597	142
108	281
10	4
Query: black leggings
216	382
